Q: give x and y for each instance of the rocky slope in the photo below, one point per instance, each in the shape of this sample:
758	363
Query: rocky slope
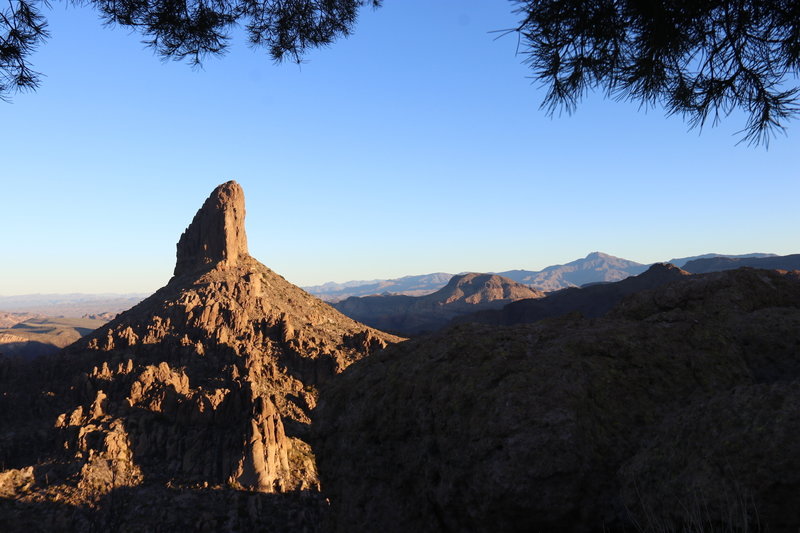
677	411
200	391
463	294
591	300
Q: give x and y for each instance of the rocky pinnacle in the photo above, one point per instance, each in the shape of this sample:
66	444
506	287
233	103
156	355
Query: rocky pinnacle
216	234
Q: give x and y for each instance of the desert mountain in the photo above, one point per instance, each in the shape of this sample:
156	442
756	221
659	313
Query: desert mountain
593	268
716	264
591	300
597	267
409	315
677	411
201	390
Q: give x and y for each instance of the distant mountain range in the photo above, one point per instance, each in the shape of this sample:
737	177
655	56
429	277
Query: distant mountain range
597	267
716	264
408	285
410	315
590	300
499	300
681	262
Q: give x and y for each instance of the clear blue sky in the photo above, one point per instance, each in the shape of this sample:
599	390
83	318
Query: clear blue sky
414	146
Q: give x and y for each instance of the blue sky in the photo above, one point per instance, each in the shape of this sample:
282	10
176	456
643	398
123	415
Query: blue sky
416	145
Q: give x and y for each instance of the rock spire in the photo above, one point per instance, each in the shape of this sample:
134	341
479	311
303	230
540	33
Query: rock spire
216	234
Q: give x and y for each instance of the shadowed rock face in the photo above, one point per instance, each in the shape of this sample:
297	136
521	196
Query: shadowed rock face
678	410
216	234
206	384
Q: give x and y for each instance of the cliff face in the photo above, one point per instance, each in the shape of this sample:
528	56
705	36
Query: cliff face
207	384
216	234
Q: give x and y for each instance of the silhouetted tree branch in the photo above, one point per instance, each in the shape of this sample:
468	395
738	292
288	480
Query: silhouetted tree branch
698	58
184	29
701	59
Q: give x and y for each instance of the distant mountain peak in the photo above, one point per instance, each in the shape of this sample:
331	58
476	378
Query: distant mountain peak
216	234
665	267
476	287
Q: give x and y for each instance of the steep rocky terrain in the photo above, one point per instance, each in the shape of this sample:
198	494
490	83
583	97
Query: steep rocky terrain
591	300
715	264
190	411
408	315
677	411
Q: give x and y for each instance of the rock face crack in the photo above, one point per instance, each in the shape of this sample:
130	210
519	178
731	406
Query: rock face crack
216	234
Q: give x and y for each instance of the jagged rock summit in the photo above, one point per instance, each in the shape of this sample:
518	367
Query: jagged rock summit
201	390
216	234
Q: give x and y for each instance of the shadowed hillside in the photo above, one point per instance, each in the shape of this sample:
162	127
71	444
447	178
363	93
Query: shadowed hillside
678	411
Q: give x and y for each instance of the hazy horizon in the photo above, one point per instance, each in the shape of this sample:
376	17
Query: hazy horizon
144	293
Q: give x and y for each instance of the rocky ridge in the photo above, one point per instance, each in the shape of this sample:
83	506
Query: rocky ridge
716	264
200	391
676	411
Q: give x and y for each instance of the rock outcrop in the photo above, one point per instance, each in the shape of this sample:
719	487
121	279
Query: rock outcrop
201	390
463	294
677	411
216	234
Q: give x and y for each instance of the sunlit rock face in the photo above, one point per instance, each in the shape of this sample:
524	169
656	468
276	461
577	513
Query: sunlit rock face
207	385
216	234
